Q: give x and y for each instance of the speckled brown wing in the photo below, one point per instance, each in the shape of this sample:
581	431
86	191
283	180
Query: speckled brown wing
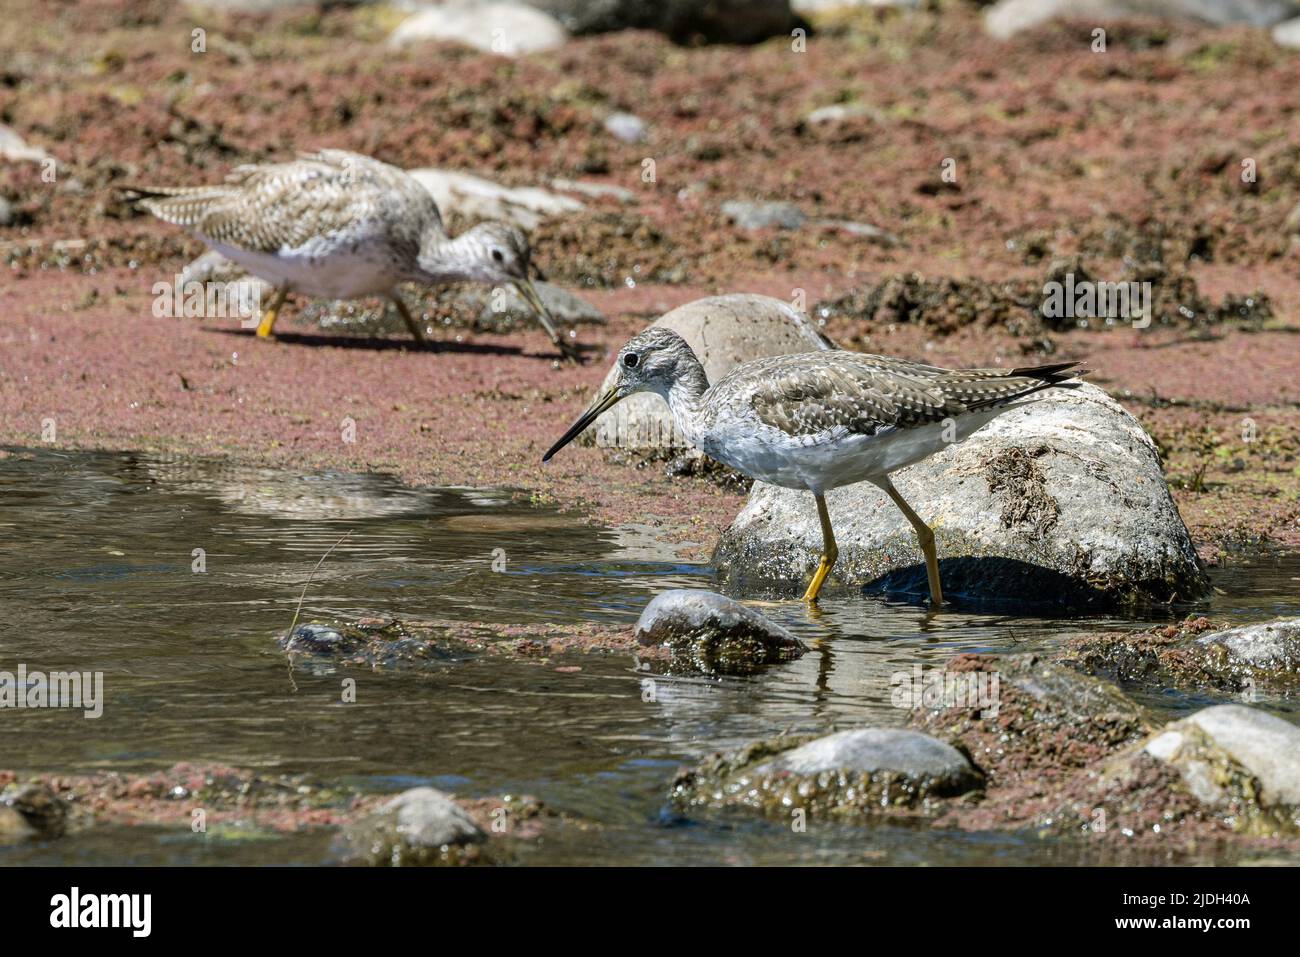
818	393
278	206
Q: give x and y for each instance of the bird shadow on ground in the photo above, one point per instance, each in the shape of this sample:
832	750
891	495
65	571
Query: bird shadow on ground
381	343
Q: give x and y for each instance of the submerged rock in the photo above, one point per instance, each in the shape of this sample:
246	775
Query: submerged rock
419	827
724	331
709	632
370	643
848	774
1240	760
1058	503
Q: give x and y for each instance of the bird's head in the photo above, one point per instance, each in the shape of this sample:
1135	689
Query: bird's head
496	253
652	361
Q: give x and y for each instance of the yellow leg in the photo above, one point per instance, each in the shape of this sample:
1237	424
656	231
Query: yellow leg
830	551
268	315
414	327
924	536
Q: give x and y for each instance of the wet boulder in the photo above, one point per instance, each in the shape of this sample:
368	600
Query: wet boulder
1269	646
724	331
1193	655
419	827
1242	761
848	774
1058	503
709	633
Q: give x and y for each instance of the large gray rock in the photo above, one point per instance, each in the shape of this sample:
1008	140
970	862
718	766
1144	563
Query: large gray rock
724	331
1239	758
716	21
1008	17
493	26
420	826
1059	502
713	634
1272	645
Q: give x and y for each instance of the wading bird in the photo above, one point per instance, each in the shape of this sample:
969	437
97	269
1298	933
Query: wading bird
338	225
820	420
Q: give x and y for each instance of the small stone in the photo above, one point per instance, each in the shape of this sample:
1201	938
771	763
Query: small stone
626	127
713	633
421	826
318	639
746	215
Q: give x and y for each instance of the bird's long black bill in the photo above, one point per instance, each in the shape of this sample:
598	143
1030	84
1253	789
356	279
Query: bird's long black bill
591	415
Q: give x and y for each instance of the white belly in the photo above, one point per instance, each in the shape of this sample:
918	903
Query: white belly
317	270
830	460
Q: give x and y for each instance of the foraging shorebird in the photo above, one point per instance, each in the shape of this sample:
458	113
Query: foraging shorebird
820	420
338	225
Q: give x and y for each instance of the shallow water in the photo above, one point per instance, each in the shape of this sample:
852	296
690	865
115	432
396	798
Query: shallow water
97	573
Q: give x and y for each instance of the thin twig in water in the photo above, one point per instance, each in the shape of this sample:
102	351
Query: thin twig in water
301	598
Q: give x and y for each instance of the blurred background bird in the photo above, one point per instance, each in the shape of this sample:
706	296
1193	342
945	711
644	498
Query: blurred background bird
339	225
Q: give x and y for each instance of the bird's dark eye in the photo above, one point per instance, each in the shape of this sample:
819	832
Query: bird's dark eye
496	254
630	360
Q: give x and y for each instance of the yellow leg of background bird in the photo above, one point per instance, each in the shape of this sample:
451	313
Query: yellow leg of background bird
830	551
416	331
924	536
268	315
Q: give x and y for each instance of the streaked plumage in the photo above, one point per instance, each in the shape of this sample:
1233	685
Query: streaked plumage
820	420
340	225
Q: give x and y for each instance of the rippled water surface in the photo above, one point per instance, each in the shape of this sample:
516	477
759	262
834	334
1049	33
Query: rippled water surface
98	573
